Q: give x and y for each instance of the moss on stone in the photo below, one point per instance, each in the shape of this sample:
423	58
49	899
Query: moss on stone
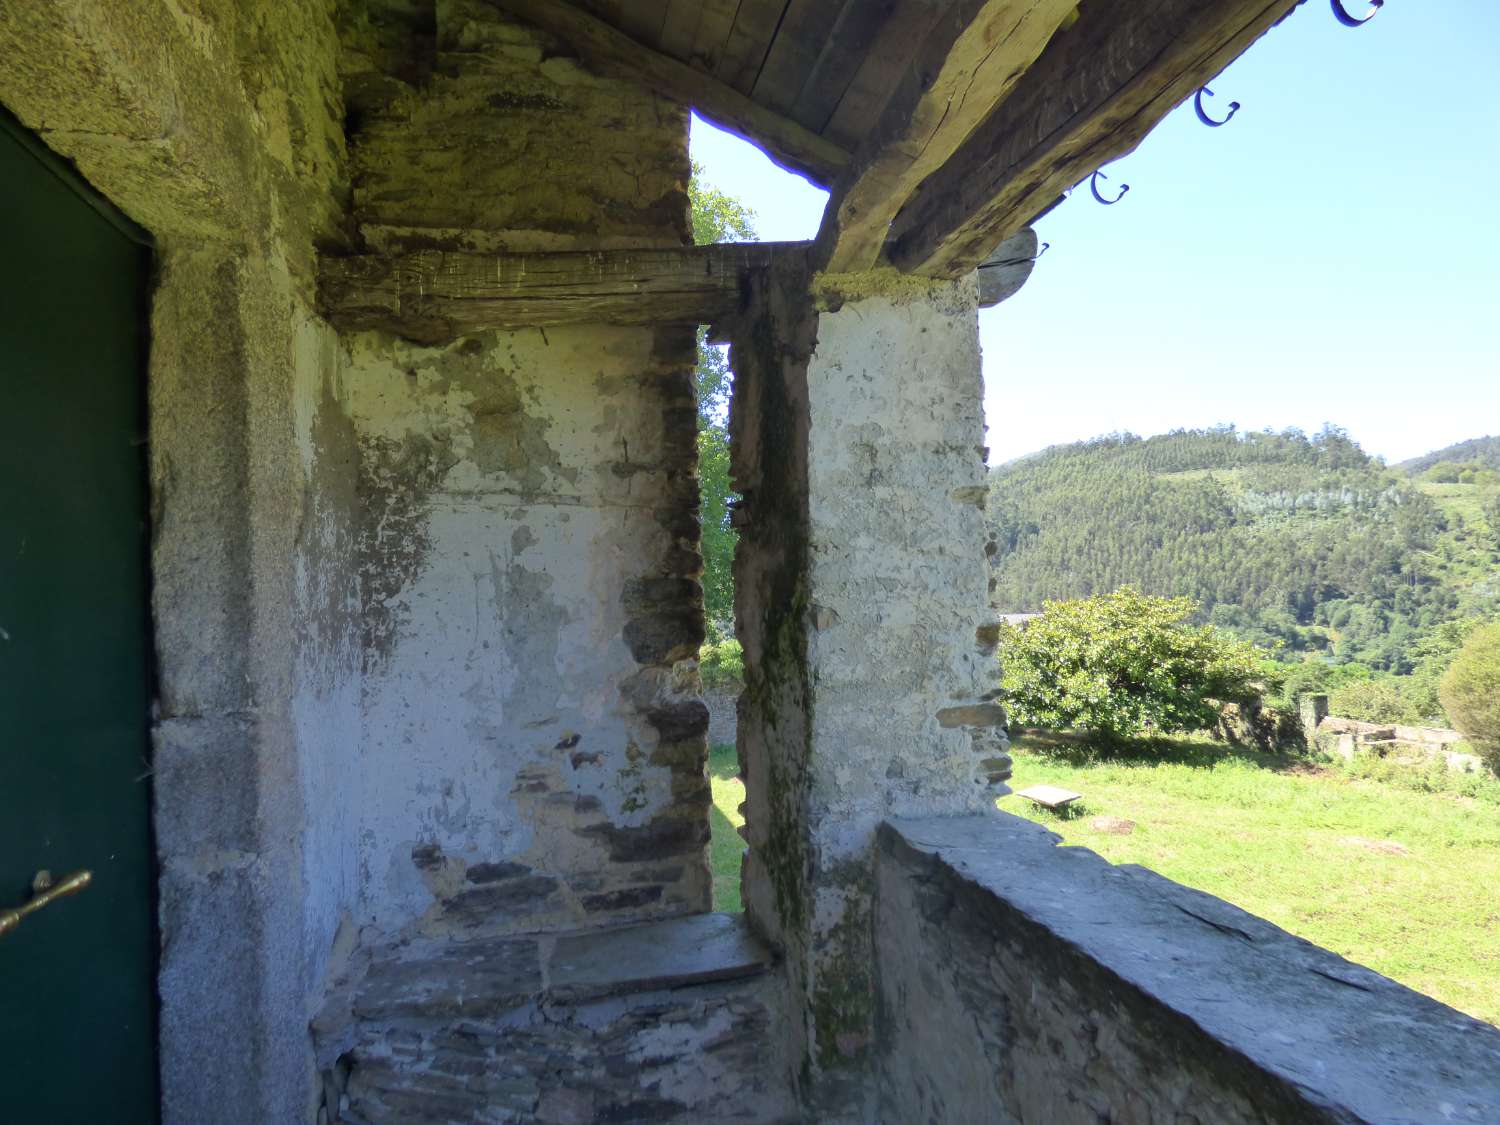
843	997
831	291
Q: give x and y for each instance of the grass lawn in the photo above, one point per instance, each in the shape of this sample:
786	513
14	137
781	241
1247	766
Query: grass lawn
1404	881
726	847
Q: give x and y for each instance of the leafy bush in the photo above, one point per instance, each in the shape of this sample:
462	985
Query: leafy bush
1471	693
1373	701
722	664
1121	665
1287	683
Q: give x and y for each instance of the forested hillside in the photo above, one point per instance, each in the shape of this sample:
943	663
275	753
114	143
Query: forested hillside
1483	451
1305	541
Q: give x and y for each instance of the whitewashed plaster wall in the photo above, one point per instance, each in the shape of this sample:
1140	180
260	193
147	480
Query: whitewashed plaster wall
534	750
522	767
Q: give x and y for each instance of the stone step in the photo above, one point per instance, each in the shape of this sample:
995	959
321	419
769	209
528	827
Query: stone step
446	979
673	1021
683	951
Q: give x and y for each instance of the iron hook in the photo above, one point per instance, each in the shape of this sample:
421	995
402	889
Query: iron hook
1045	247
1094	187
1203	113
1341	14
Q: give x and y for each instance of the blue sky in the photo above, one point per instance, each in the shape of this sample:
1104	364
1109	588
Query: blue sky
1330	255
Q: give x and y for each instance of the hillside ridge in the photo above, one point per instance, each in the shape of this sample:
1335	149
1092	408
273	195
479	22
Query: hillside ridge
1302	542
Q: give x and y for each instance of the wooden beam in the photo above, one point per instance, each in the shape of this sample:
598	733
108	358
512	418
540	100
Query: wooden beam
1096	91
435	296
612	52
967	64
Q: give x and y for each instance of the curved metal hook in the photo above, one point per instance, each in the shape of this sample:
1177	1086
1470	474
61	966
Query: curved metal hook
1045	247
1094	187
1341	14
1203	116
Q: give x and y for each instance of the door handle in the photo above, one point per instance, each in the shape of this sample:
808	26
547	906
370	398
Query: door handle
47	892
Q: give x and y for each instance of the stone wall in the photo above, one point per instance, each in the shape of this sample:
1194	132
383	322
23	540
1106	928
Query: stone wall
217	126
533	738
723	715
1023	982
1412	746
861	588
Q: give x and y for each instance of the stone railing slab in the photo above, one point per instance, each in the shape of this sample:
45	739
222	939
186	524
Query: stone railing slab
1111	993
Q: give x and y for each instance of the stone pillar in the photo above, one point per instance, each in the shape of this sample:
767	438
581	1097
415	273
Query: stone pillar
861	590
1312	710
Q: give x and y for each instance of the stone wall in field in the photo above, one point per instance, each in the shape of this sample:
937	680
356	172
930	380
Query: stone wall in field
723	715
1023	982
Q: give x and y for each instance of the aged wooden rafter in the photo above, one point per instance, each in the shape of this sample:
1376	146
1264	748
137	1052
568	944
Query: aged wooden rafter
433	296
1092	96
610	51
969	61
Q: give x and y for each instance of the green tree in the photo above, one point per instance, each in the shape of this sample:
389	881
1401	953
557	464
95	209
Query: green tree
1122	665
1471	692
717	217
1492	517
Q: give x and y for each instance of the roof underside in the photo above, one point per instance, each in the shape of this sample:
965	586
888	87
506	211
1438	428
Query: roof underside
940	127
825	64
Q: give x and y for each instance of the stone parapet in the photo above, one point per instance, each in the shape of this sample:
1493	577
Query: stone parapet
1023	982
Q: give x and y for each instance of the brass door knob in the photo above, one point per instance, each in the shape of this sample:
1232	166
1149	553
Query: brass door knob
45	892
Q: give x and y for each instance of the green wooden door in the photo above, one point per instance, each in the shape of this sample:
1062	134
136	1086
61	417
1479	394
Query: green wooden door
77	978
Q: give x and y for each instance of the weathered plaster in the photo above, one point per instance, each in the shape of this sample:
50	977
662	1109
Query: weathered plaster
534	744
529	707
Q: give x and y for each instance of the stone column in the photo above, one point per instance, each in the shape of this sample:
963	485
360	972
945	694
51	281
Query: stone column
861	594
1312	710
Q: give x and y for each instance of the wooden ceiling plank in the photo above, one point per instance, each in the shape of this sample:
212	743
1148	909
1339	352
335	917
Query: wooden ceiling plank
435	296
607	10
679	28
1094	94
858	24
794	52
969	61
715	22
642	21
755	27
610	51
884	61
